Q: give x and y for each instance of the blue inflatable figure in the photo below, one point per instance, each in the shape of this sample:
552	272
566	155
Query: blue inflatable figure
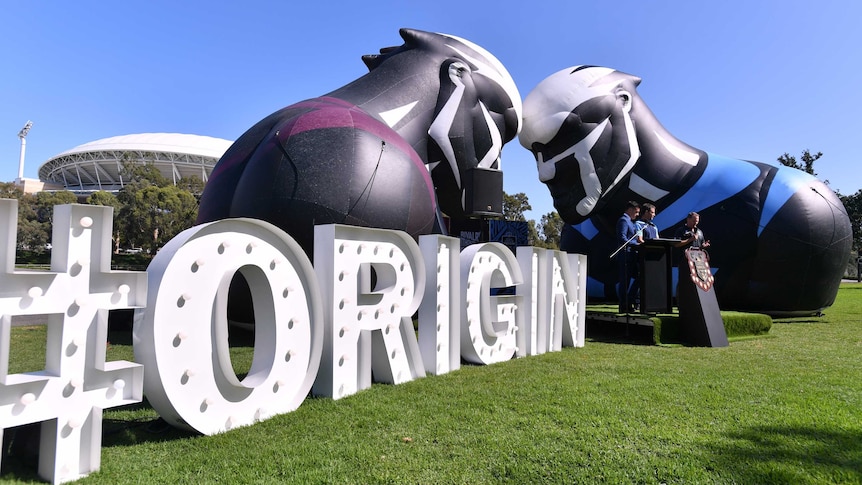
780	238
392	149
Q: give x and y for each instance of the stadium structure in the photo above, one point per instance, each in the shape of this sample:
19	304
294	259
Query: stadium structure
97	165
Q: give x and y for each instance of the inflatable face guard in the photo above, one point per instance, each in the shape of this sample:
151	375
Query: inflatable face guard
478	111
572	119
475	111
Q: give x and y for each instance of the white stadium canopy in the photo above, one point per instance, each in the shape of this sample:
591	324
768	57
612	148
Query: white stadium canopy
97	165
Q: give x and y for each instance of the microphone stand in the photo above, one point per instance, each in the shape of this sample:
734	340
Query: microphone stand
637	233
625	291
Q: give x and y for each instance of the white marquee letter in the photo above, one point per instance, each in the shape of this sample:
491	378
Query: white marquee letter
373	281
572	285
534	333
68	396
182	338
568	293
440	312
488	322
555	299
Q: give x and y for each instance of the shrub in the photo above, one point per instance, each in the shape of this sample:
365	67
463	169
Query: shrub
668	328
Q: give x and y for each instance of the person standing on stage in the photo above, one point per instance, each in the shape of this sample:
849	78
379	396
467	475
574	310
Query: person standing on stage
648	230
645	224
689	234
628	237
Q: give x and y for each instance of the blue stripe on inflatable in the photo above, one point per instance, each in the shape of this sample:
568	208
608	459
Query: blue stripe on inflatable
587	229
787	182
723	178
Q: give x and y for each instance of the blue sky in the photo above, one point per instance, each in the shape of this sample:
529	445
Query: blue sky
744	79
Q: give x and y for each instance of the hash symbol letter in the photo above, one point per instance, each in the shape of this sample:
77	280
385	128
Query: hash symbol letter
68	396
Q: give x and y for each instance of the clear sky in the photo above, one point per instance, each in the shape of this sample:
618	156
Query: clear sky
741	78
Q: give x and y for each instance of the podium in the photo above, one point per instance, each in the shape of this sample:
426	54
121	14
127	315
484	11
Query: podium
698	307
656	277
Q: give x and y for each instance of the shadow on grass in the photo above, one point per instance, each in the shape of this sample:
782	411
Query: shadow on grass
776	454
20	452
148	429
619	333
797	320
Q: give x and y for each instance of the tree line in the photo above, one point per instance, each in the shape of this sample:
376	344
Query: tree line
148	211
545	234
151	209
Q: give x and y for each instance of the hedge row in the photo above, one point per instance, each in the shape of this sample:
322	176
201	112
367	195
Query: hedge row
667	328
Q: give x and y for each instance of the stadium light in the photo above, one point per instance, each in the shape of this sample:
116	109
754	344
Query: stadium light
23	136
25	130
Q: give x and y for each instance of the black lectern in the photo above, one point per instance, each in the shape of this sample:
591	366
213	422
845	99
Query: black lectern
656	280
698	307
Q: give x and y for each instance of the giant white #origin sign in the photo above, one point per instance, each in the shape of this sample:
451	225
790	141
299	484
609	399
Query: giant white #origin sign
329	328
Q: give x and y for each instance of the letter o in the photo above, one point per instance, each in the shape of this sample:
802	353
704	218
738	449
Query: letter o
181	337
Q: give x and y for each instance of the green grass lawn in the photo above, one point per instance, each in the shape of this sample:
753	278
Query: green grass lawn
785	407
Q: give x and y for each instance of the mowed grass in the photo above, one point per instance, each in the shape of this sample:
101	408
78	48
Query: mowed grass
782	408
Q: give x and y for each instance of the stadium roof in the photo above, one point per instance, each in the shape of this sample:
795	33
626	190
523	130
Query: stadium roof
96	165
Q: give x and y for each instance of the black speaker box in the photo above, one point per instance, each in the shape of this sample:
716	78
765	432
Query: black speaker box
483	192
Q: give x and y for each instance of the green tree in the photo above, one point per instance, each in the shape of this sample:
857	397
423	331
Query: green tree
533	234
152	215
37	223
551	226
515	205
193	185
8	190
806	163
31	233
108	199
45	202
853	205
103	198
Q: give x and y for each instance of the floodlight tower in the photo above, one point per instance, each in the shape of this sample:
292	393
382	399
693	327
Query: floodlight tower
23	136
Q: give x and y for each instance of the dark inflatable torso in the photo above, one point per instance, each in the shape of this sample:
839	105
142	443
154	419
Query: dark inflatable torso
322	161
779	237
